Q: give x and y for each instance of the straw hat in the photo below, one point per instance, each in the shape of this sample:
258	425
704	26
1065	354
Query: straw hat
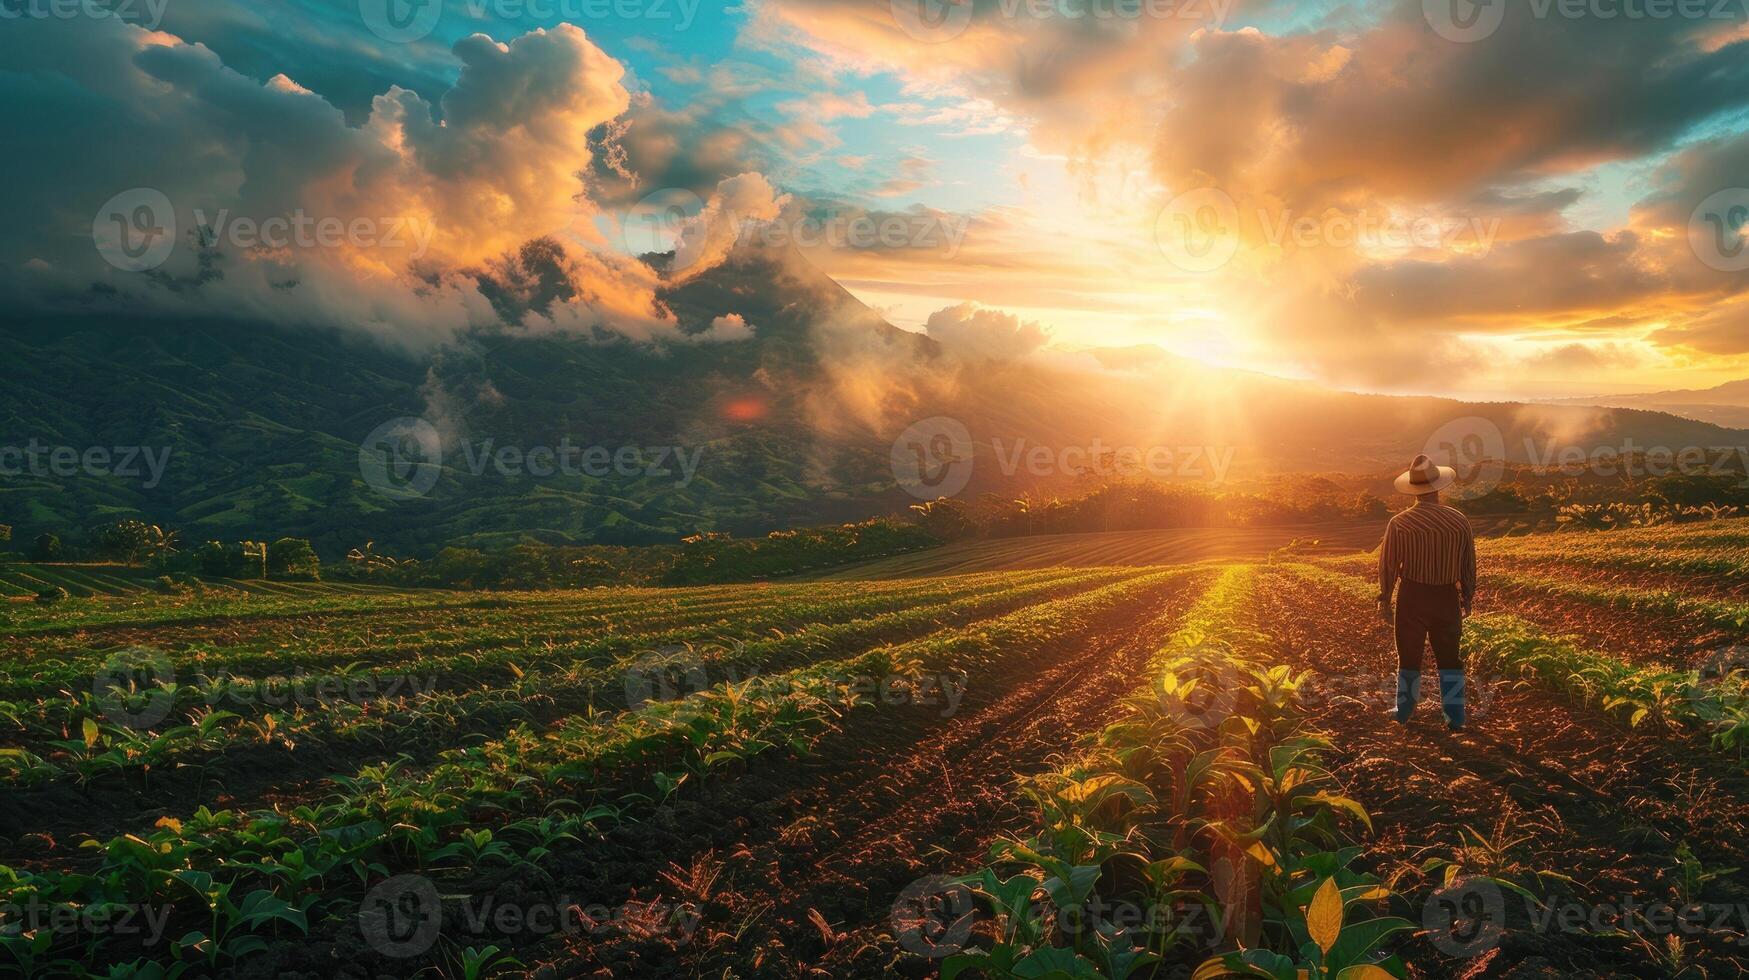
1425	477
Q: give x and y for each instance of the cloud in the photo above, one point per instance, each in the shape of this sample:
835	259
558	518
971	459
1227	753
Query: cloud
708	237
1578	357
726	329
424	221
1354	112
971	332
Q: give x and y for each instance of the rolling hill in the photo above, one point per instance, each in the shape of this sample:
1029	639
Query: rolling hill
263	425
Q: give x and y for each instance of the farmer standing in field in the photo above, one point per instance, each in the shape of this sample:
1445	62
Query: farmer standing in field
1431	549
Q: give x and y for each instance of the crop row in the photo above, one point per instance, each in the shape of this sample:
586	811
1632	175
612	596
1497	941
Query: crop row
1712	700
239	880
78	741
328	639
1204	816
504	646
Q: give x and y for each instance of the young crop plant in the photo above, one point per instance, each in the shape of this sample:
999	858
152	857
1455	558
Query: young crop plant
1205	806
1710	700
234	879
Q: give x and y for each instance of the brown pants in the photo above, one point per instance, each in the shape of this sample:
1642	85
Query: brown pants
1429	613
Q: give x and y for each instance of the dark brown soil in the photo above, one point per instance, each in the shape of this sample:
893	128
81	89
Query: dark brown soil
1574	794
804	877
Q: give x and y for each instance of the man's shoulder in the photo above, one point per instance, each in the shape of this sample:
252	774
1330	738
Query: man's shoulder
1423	514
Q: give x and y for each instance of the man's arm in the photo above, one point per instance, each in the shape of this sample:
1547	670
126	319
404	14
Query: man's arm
1388	570
1467	580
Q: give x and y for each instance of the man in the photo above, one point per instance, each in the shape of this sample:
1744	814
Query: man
1431	549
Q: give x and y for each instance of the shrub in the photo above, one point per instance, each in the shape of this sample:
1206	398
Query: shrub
46	547
52	595
293	558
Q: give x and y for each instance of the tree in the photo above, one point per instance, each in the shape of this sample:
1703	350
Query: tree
214	560
46	547
293	558
124	541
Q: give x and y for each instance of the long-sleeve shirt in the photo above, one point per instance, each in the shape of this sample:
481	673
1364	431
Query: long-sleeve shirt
1431	544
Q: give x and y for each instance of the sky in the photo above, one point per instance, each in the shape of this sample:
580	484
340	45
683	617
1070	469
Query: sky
1486	200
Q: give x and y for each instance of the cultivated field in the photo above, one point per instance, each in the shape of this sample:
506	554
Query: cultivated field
1126	770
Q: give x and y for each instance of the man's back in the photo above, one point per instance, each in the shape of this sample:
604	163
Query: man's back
1429	543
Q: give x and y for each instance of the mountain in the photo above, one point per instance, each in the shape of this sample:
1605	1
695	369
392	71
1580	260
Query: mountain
1726	404
270	430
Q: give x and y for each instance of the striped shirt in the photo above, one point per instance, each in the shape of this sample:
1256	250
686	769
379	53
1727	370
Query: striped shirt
1431	544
